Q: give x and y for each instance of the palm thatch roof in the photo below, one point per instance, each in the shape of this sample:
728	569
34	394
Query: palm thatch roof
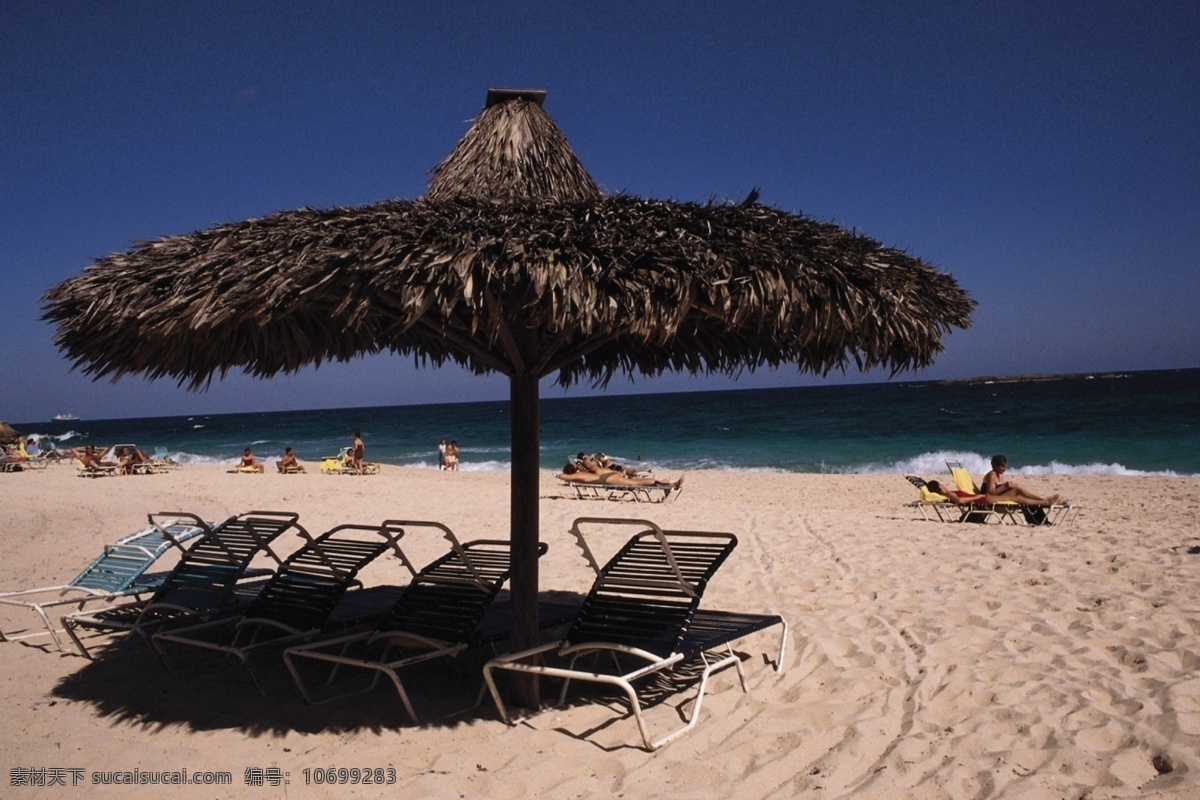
8	433
513	262
491	271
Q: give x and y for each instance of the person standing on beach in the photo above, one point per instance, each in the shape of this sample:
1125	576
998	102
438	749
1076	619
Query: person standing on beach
442	454
358	451
452	456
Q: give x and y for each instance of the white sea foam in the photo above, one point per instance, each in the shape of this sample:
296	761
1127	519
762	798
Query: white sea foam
978	465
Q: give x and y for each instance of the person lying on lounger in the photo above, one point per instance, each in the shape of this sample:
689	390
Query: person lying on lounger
577	473
606	463
127	459
965	499
1000	490
955	496
87	456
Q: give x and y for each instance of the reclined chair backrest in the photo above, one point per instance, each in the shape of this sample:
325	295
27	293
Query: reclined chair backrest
446	601
125	561
962	478
209	570
647	594
304	592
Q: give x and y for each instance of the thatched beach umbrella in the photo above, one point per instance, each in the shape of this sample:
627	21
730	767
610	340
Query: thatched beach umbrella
513	262
8	433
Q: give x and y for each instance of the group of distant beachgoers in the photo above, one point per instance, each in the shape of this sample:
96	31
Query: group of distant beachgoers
126	459
351	459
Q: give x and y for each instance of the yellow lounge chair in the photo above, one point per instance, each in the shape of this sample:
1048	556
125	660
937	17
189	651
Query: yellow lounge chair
337	465
84	471
1014	512
940	505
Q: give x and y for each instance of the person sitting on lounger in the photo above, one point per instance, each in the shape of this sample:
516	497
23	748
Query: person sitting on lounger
576	473
131	457
595	466
248	464
288	463
87	456
1001	491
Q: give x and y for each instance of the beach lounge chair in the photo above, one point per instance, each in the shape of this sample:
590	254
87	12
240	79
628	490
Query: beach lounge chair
337	465
119	571
440	614
664	493
303	599
84	471
162	460
203	584
981	511
642	613
31	460
941	507
1016	513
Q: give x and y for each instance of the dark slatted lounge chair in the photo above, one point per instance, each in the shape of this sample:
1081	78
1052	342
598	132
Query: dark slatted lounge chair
439	614
120	571
303	599
205	582
643	609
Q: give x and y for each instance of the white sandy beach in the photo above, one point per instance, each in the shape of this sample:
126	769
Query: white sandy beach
926	660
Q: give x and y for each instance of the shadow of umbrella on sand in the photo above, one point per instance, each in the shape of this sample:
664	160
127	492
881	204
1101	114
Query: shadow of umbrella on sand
513	262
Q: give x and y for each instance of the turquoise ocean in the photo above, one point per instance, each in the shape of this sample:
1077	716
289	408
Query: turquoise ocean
1137	423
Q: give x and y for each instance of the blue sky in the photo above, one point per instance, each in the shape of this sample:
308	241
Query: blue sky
1045	154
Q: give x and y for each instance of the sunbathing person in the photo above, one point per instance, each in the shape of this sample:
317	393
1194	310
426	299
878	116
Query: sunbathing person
248	464
607	463
577	473
954	495
87	456
127	460
999	490
288	463
597	466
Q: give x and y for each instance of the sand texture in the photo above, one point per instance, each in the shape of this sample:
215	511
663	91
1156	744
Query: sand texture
926	660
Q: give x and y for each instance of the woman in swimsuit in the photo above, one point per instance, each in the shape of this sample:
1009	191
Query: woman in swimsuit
1002	491
248	463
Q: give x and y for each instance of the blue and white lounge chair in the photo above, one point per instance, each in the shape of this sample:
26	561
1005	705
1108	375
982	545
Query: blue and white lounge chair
119	571
202	584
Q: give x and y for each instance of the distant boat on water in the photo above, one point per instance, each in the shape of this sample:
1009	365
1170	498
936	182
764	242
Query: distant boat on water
65	417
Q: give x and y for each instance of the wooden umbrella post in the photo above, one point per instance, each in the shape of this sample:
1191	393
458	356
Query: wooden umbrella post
526	447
